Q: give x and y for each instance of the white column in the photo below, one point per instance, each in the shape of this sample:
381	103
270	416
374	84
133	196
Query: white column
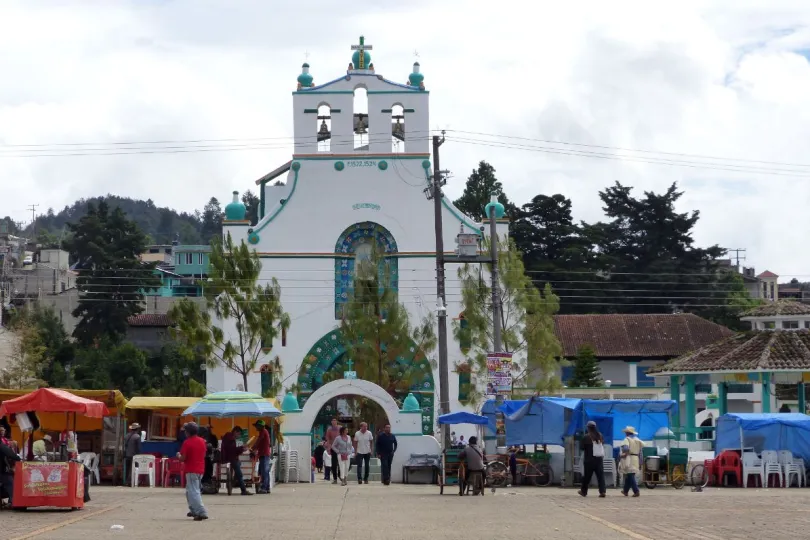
632	375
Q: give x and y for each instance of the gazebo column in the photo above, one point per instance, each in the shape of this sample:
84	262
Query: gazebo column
802	404
689	390
766	392
675	395
722	397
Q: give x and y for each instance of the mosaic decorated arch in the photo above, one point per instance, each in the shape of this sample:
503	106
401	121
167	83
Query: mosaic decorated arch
350	246
327	360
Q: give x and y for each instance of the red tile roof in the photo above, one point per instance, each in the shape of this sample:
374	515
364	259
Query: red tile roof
767	274
777	308
641	336
769	350
150	319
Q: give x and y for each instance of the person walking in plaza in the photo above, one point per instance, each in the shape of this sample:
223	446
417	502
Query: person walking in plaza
132	447
386	447
230	454
318	455
362	446
593	449
630	460
342	448
332	433
262	449
192	454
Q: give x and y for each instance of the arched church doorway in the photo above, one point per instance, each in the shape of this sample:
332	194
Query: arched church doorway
327	362
350	411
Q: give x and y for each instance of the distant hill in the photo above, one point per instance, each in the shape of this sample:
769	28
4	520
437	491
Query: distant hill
161	224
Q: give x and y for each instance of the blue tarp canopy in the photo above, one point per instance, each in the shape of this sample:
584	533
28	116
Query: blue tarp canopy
647	416
776	431
463	418
534	421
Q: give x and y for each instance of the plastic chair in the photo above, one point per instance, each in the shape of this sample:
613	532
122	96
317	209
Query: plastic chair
609	468
173	468
143	465
292	466
799	462
752	466
579	465
728	463
789	467
770	465
375	470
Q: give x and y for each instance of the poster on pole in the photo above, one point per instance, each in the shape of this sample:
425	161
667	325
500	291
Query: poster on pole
499	374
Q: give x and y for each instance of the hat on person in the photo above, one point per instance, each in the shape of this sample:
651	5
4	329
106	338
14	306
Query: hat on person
259	423
47	438
136	425
591	423
631	430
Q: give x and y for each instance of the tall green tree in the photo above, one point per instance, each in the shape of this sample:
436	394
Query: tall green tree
112	278
377	330
58	350
527	322
478	191
251	202
586	369
252	312
27	356
211	220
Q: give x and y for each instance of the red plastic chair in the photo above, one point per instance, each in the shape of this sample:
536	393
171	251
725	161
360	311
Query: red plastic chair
174	469
729	462
709	466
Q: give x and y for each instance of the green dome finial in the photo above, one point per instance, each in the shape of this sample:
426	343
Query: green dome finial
290	403
416	78
411	404
305	79
235	211
499	208
361	59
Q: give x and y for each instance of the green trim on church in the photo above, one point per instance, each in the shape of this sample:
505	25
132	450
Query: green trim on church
325	362
253	237
360	156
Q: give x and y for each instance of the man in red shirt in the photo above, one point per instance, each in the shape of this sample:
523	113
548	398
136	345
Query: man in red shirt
192	454
262	449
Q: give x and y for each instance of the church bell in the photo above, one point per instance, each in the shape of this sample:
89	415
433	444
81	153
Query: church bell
324	133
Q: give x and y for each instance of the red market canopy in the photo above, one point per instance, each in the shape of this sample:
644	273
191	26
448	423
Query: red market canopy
54	401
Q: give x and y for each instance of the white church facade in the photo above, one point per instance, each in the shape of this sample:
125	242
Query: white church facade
357	177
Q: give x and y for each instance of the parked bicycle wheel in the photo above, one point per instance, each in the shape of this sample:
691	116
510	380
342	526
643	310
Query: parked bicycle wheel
497	474
543	476
678	476
699	476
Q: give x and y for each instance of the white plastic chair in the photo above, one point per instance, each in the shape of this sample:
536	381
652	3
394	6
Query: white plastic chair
292	466
579	465
374	470
752	466
609	468
799	462
143	465
790	468
771	465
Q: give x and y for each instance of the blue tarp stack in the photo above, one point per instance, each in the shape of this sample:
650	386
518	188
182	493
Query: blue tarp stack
548	420
776	431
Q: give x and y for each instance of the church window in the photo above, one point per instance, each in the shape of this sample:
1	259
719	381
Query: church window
355	246
464	336
361	133
397	129
324	128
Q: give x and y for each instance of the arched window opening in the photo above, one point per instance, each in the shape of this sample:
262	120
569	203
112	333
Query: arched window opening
324	126
397	129
360	119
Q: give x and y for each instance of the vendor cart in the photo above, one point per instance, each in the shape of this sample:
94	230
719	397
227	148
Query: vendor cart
452	468
664	470
57	484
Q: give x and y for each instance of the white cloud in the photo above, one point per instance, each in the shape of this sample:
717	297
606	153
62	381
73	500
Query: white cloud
713	78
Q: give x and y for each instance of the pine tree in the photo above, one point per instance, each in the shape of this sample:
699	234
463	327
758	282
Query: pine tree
586	369
478	191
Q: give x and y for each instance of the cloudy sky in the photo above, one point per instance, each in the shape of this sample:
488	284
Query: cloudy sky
724	79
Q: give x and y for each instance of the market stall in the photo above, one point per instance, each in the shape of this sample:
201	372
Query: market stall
452	469
764	431
59	484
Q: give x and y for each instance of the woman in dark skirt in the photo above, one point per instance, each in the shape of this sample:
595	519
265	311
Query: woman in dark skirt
319	450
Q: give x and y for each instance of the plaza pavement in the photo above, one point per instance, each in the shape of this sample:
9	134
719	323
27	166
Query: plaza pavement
374	511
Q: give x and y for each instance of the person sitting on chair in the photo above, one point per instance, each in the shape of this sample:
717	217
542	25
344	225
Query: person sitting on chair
474	459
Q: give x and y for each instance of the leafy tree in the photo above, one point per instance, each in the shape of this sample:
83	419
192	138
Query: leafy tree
26	359
555	249
376	331
109	365
211	220
58	350
111	277
251	202
235	297
586	369
527	322
478	191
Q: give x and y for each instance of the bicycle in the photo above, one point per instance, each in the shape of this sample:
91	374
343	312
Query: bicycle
535	474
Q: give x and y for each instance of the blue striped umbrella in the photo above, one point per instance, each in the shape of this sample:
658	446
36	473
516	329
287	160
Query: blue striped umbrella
232	405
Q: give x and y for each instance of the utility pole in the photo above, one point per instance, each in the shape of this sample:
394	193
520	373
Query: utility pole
33	208
434	192
496	293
